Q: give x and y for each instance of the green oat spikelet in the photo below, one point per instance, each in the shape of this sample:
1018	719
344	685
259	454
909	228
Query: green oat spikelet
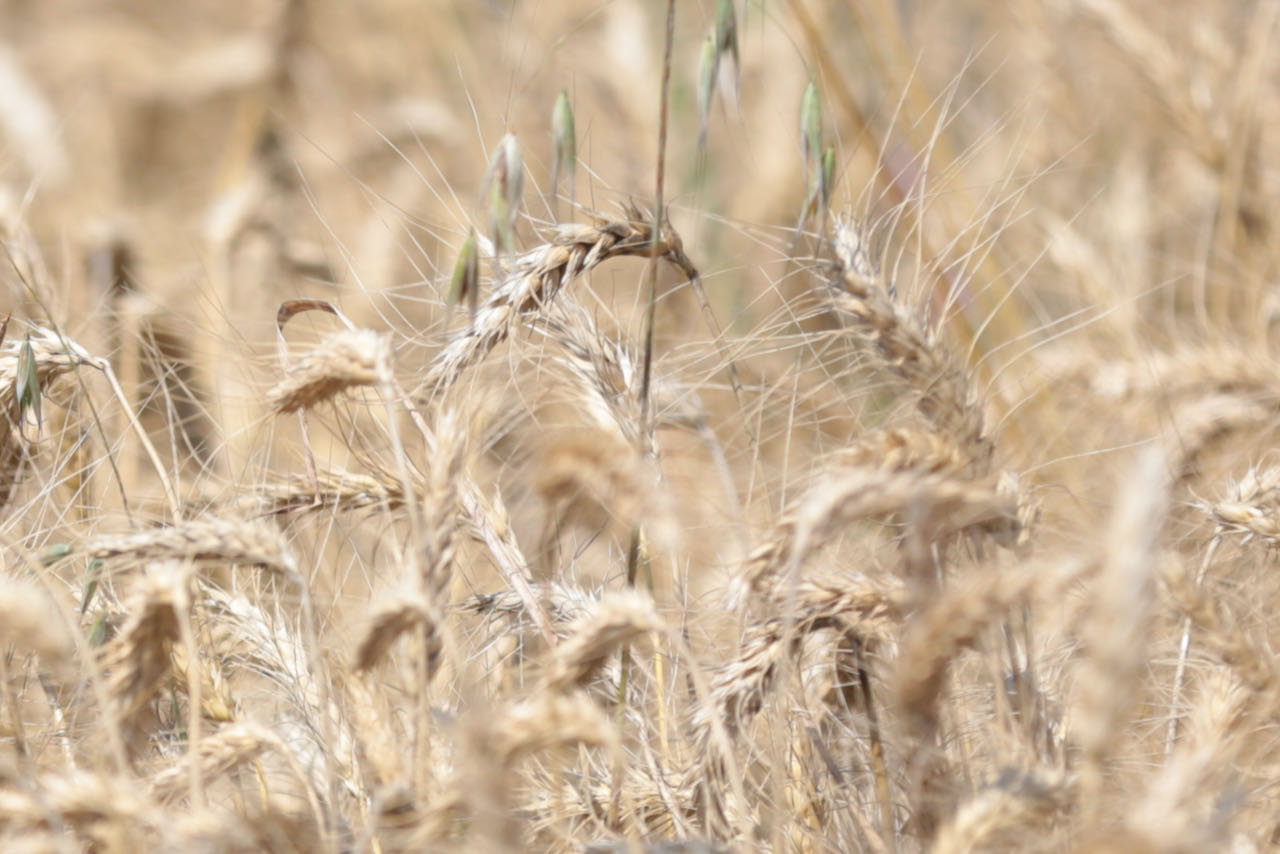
465	284
564	137
811	128
720	46
505	187
26	391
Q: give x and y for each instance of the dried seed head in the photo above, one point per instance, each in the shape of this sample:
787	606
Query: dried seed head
619	619
388	622
466	277
346	359
564	135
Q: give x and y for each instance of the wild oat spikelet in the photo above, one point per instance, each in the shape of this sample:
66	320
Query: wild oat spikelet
564	161
347	359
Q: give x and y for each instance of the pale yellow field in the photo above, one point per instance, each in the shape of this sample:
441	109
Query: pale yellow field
912	489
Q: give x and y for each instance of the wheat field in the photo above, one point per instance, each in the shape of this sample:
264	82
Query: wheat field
639	426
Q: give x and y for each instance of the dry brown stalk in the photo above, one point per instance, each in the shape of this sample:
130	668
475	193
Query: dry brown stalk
538	276
349	358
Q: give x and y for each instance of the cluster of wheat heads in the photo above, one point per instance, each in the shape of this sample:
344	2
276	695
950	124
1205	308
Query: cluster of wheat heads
593	573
